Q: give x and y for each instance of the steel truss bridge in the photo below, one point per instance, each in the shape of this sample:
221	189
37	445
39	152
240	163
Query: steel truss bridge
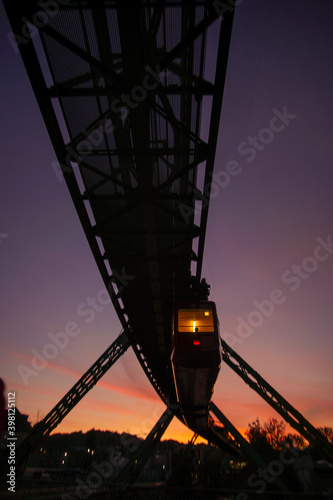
131	95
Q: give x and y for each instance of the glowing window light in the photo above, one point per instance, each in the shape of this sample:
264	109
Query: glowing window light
195	320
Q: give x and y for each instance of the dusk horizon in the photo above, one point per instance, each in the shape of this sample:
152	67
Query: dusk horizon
268	254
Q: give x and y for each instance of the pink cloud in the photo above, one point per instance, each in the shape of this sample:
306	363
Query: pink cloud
137	392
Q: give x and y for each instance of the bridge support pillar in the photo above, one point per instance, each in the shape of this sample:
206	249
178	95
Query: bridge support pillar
73	396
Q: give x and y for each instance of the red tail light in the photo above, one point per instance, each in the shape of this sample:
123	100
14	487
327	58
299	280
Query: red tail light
196	342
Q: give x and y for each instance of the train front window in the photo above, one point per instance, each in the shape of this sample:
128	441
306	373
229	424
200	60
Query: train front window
195	320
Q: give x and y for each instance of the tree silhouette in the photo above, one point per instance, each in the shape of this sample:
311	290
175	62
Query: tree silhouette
327	432
266	438
275	432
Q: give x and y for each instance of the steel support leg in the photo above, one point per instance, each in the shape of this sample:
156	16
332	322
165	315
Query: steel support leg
281	405
73	396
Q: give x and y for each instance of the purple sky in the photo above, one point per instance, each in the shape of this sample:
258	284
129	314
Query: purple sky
263	223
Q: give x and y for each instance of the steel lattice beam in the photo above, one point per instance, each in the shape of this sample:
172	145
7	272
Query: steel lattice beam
127	52
62	90
281	405
130	184
220	76
73	396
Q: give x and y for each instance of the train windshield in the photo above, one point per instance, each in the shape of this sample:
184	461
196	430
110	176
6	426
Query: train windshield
195	320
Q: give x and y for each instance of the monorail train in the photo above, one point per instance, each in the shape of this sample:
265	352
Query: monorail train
196	359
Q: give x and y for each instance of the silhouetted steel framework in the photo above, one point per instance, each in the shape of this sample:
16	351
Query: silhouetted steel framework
73	397
125	89
272	397
127	85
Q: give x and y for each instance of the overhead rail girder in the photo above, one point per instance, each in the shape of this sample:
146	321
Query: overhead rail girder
220	78
62	90
130	174
34	71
